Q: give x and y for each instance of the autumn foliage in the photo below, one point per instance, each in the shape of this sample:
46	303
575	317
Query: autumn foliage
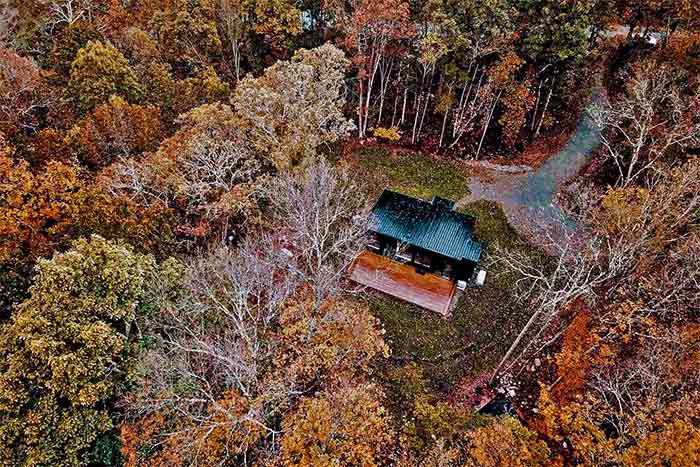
180	207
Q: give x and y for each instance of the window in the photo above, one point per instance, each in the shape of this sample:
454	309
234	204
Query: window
423	259
373	242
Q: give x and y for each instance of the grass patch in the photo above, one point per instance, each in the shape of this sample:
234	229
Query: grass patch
411	173
492	225
420	337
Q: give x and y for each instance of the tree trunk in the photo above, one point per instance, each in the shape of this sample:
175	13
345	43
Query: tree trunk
546	106
488	122
415	120
384	75
515	344
444	123
370	85
422	119
393	116
464	88
476	94
359	114
537	105
236	49
403	110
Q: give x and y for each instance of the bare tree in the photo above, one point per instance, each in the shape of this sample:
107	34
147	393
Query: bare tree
651	120
326	219
216	165
23	91
235	19
66	12
237	344
579	269
207	166
214	342
470	110
644	383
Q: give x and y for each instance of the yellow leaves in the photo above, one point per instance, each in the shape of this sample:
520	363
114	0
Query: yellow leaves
277	20
342	426
340	338
432	48
295	106
675	441
506	443
621	208
98	72
389	134
67	345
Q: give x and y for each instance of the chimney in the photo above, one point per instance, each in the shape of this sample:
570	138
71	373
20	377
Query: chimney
442	203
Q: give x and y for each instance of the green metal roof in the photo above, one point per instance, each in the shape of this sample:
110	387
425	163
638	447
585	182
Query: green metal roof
433	226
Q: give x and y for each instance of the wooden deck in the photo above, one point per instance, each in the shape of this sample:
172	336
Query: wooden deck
403	282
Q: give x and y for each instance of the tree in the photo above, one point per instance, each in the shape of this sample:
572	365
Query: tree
68	40
579	271
36	209
502	81
246	337
296	105
652	122
175	97
555	31
23	93
656	15
207	169
187	38
348	426
57	380
235	17
98	72
277	21
377	28
506	442
115	130
327	198
634	403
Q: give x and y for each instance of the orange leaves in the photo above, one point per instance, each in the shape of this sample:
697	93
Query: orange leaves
115	129
36	209
518	101
136	438
379	22
574	358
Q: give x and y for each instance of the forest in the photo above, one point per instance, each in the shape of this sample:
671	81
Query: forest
185	185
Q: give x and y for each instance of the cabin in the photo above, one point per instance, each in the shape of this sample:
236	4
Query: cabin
419	251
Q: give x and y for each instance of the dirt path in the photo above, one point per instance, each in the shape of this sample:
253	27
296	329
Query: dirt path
528	197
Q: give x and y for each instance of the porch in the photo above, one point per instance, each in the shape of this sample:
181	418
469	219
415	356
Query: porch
402	281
